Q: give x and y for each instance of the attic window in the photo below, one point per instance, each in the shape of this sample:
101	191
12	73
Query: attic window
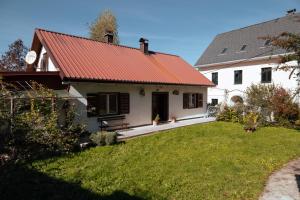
243	47
267	42
44	63
224	50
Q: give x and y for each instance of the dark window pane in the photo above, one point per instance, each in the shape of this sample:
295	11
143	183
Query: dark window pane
268	43
214	102
102	104
214	78
113	105
185	100
238	77
192	100
266	75
124	103
243	47
91	105
199	100
224	51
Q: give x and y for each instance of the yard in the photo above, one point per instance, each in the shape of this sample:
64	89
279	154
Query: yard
208	161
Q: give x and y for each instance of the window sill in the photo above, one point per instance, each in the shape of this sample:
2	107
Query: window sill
266	82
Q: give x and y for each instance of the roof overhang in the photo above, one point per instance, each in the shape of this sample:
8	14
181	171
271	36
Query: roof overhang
70	80
273	58
51	80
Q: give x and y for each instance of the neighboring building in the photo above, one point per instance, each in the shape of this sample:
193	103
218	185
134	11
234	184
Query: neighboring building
239	58
111	80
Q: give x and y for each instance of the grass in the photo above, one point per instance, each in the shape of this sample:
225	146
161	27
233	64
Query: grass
207	161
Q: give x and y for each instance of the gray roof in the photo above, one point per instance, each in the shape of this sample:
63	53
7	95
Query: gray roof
234	40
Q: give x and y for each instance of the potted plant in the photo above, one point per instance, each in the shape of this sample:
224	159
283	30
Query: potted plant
250	122
156	120
173	119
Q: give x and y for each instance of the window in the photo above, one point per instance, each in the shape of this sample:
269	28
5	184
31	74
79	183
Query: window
267	43
224	51
238	77
266	75
192	100
214	102
214	78
107	104
243	47
92	106
44	62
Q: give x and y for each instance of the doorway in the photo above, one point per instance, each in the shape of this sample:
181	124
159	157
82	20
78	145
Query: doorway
160	105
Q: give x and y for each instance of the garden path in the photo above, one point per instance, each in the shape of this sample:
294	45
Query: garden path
284	184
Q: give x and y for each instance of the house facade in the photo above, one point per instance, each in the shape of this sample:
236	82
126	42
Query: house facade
236	59
117	82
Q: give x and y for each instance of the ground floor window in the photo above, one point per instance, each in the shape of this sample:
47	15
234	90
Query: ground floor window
107	104
192	100
214	102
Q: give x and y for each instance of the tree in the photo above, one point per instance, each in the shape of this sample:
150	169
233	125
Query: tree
291	43
14	58
106	22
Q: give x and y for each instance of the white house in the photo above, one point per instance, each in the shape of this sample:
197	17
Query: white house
117	83
236	59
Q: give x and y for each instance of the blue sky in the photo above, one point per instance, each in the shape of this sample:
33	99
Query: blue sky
183	27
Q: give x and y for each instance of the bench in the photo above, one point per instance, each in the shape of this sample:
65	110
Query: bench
106	119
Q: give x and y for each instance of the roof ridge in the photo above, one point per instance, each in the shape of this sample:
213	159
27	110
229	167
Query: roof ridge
298	13
85	38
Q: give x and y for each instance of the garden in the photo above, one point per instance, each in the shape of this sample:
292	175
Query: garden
264	105
216	160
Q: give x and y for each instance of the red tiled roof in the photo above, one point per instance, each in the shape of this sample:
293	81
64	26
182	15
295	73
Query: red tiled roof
86	59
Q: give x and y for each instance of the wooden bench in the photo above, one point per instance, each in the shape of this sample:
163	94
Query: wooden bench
120	118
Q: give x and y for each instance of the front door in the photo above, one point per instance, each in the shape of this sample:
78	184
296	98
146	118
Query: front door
160	105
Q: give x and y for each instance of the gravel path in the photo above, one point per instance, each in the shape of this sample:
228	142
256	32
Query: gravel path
284	184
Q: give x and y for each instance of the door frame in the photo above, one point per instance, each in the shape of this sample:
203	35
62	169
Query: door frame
167	107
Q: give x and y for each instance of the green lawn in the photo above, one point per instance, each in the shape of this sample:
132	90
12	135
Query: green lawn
208	161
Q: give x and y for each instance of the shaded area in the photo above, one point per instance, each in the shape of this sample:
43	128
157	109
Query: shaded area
19	182
298	180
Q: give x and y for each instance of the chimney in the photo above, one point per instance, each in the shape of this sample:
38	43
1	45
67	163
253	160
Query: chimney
291	12
109	37
144	46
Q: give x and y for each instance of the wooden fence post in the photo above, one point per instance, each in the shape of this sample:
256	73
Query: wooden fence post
52	104
11	113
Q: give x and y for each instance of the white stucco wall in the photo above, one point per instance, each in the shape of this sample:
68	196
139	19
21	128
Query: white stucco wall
51	67
140	106
251	75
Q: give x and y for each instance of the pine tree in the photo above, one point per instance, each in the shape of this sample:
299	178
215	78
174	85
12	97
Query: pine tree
14	58
106	22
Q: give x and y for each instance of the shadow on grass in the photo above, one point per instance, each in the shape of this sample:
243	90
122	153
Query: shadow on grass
19	182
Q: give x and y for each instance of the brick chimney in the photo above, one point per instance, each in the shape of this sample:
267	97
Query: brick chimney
109	37
144	46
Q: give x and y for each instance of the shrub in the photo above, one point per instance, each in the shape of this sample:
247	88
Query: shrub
231	114
272	103
110	138
259	99
284	108
98	138
104	138
35	130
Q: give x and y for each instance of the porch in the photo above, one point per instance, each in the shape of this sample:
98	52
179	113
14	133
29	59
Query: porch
145	130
